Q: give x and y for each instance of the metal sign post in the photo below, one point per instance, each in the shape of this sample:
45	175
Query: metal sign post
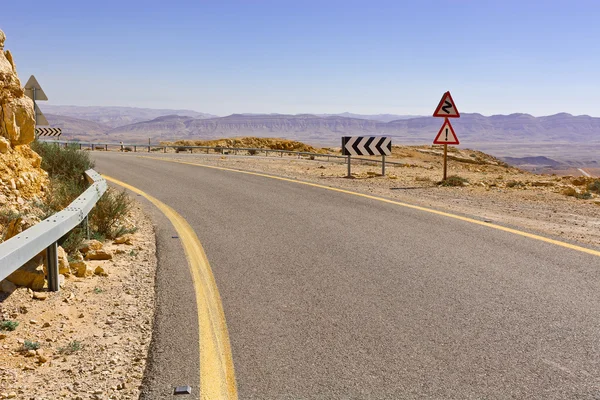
445	161
349	168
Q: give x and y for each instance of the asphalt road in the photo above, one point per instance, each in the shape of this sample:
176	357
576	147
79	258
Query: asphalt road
334	296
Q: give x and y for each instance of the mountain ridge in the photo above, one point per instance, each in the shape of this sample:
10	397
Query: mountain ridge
517	134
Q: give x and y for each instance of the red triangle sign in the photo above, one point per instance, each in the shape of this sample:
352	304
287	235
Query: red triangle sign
446	135
446	108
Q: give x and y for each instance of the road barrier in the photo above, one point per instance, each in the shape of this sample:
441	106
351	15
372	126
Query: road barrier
219	149
18	250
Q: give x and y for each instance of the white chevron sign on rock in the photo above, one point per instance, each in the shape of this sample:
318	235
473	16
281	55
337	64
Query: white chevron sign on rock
366	146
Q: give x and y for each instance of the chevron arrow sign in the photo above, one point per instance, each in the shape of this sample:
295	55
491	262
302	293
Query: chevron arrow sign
56	132
366	146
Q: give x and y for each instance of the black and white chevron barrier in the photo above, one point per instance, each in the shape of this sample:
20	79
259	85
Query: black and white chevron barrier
366	146
55	132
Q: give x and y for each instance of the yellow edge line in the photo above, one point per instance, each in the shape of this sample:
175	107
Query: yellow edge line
398	203
217	376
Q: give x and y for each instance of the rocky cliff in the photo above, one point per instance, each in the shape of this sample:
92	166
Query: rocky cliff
21	178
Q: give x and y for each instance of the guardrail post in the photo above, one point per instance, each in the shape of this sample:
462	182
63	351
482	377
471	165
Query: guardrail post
52	255
383	165
148	149
135	149
79	146
86	221
105	147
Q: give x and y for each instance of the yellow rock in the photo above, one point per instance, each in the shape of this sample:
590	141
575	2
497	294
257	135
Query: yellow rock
14	228
81	269
30	275
7	286
100	271
63	262
4	145
98	255
40	295
89	245
127	239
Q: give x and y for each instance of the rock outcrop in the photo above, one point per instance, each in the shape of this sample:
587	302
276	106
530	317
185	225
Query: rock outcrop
21	178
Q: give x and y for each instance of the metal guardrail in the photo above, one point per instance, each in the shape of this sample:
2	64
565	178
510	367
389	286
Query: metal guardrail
221	149
18	250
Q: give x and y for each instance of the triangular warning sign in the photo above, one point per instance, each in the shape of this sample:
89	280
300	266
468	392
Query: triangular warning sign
32	84
446	108
40	119
446	135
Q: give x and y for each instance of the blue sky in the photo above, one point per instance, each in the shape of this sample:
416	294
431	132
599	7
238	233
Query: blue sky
223	57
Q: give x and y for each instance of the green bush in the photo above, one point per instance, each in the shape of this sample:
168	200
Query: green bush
454	180
29	345
8	325
61	193
512	184
66	167
106	217
594	186
71	348
66	163
584	195
73	240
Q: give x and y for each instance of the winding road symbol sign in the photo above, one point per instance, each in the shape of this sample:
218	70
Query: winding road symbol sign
446	135
446	108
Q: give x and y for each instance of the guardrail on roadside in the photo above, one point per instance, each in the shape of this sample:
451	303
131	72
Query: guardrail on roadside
18	250
220	149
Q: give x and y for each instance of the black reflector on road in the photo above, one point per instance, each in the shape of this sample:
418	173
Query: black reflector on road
183	390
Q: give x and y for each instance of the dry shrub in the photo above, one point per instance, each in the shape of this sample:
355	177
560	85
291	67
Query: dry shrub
107	217
454	180
594	186
580	181
512	184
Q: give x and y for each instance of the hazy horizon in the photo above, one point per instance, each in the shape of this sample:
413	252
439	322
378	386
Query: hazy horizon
45	104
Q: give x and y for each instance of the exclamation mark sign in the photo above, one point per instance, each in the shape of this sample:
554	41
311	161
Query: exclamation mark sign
446	134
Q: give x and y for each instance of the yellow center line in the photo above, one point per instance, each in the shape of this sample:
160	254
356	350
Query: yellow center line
398	203
217	376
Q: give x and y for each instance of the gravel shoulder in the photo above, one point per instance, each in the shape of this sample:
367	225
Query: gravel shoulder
93	334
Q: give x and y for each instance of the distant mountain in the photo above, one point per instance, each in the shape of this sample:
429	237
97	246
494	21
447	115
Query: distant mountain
562	137
73	128
470	128
539	161
305	127
374	117
117	116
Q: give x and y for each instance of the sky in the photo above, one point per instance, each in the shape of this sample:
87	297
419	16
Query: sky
369	57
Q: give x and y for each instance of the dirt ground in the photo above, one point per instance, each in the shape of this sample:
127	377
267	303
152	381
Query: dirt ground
93	335
493	191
